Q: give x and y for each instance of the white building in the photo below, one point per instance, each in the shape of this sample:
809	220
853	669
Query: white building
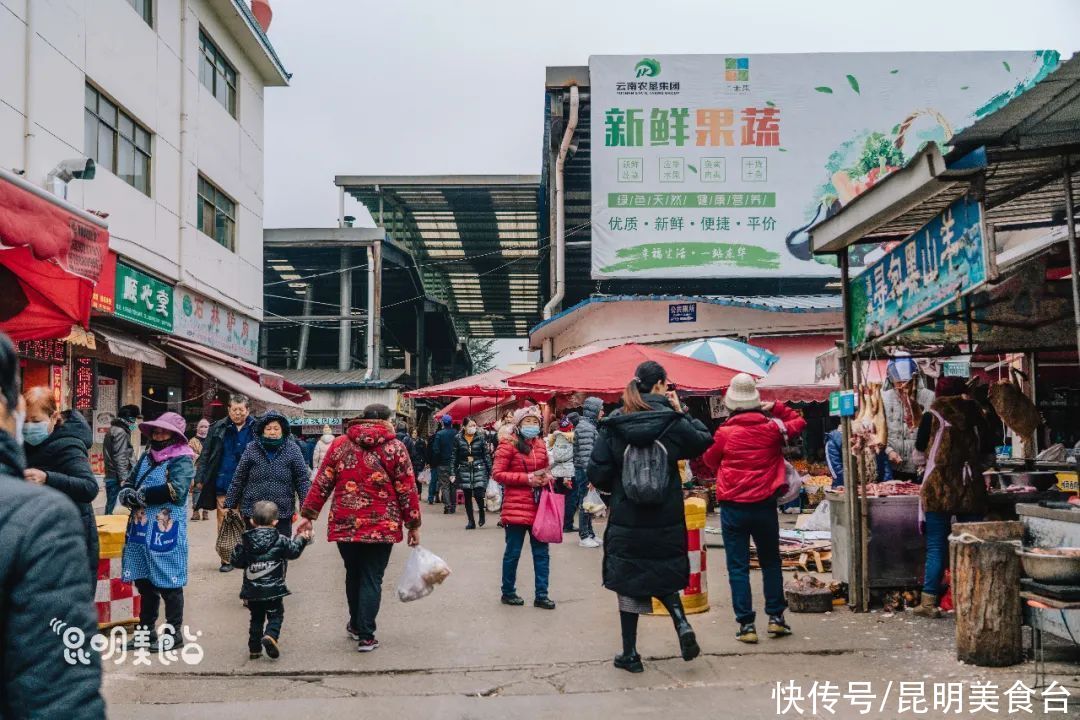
167	97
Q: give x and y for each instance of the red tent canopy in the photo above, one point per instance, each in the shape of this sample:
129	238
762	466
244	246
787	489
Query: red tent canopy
606	373
465	407
487	384
51	255
792	378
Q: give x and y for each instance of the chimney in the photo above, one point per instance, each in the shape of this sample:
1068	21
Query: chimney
263	13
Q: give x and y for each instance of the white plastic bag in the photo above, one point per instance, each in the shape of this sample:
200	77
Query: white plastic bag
424	476
493	496
794	484
423	571
593	503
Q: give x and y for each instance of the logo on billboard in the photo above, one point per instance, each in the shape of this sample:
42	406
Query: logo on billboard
737	69
647	67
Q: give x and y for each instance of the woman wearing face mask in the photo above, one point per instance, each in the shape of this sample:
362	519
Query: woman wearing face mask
470	468
156	553
521	467
271	468
202	429
57	455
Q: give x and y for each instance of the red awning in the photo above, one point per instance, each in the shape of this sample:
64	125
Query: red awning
791	379
606	373
465	407
266	378
488	384
51	255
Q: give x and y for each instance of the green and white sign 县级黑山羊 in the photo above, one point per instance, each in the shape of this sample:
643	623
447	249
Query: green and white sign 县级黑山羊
716	166
143	299
945	260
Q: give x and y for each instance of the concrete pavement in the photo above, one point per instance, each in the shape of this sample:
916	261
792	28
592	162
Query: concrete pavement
459	653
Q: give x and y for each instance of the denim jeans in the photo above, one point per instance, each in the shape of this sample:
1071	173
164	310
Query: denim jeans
581	481
365	564
266	619
515	540
112	489
433	485
739	522
938	527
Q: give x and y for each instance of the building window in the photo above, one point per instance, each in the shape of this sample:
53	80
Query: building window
116	141
217	214
216	74
145	8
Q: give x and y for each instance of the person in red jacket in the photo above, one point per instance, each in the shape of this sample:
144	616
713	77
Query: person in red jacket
521	467
747	454
369	472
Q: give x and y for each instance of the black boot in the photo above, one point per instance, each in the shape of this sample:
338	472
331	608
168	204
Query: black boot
480	509
687	640
469	513
629	659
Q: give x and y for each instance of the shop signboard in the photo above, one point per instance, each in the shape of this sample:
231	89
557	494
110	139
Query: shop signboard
943	261
682	312
106	407
200	319
49	351
84	380
715	166
843	403
956	368
104	297
143	299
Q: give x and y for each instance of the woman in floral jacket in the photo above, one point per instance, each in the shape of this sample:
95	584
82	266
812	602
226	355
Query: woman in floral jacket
371	478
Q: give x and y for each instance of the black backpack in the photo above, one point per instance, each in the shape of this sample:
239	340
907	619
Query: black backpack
645	476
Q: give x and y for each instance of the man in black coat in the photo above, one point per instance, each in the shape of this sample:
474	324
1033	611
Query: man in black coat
442	452
118	453
58	455
42	580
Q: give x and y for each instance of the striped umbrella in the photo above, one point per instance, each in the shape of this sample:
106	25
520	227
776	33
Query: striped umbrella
731	354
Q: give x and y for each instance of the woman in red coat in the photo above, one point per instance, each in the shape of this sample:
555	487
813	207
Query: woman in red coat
748	452
520	466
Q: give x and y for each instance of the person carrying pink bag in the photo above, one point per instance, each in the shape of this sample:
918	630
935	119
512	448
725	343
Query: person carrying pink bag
521	467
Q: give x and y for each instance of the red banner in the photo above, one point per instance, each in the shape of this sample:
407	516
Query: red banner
104	299
50	259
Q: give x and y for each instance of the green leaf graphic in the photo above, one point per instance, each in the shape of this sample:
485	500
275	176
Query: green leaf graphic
896	129
964	87
692	168
1007	68
853	83
782	149
893	72
770	103
824	89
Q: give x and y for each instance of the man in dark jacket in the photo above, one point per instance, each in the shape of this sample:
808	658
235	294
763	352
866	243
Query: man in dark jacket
222	450
58	455
584	439
264	553
118	453
442	452
834	456
415	456
42	578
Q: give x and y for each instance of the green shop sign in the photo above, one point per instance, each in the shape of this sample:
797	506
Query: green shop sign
143	299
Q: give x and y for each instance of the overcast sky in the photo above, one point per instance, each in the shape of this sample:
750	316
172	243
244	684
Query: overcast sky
430	87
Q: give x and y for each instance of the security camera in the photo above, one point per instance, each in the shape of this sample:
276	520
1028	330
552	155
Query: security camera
74	169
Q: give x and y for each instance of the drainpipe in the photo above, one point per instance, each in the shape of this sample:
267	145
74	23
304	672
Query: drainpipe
184	106
305	328
28	122
345	316
374	296
560	217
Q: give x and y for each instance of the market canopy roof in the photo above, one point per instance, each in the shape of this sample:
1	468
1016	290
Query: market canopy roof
791	379
606	373
487	384
475	237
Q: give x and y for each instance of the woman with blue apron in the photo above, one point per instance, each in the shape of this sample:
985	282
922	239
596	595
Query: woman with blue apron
156	546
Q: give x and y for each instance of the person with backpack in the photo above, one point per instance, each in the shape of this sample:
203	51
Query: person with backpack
747	456
635	458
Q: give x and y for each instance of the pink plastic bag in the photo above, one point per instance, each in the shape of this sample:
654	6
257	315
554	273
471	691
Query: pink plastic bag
548	525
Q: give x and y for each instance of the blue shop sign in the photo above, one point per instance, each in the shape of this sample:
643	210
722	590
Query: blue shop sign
682	312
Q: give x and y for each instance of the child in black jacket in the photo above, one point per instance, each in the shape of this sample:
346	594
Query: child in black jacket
264	553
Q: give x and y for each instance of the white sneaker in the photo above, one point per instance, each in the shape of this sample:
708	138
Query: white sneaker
589	543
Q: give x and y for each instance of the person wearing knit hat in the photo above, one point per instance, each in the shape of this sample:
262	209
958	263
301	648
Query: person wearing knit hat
521	467
747	456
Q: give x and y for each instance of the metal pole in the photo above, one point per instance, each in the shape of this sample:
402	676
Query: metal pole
851	486
1074	264
345	316
375	318
341	207
305	328
421	350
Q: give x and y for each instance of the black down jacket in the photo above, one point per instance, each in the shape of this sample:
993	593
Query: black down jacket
65	459
42	579
263	553
470	463
645	546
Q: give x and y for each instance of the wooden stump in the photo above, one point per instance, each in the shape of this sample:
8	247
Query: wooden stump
986	593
